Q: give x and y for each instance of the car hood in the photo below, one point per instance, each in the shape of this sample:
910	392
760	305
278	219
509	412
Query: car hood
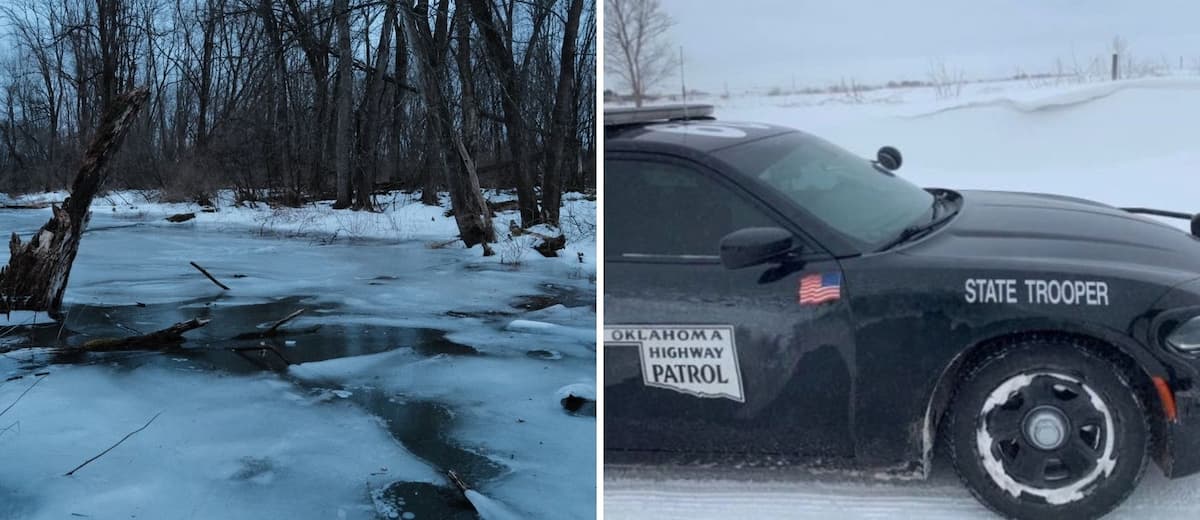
1065	234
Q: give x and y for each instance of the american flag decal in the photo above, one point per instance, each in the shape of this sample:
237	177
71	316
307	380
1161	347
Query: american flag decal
820	288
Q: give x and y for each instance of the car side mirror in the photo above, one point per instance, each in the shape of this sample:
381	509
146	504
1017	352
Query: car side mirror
889	158
754	246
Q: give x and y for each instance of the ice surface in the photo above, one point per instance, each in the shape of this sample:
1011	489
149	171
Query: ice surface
224	447
413	335
490	509
522	427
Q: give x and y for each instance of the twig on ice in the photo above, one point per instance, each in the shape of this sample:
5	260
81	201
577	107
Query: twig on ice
274	329
14	403
210	277
101	454
289	317
458	482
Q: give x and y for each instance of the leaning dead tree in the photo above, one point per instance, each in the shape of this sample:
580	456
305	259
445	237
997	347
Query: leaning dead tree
470	208
37	272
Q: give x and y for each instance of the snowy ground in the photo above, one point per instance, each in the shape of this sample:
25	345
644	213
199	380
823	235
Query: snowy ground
429	358
1128	143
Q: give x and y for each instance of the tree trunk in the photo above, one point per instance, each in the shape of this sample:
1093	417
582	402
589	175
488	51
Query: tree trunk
470	209
107	24
209	28
470	109
502	60
37	272
399	114
345	96
371	106
564	108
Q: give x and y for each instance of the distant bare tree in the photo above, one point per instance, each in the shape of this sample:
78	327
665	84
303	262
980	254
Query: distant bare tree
636	48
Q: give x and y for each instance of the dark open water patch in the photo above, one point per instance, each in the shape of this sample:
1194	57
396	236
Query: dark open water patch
214	345
424	501
421	426
552	294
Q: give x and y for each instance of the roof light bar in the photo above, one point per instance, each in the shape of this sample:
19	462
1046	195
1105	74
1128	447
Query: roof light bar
631	115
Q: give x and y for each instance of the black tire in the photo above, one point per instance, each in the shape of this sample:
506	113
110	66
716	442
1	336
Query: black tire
1068	458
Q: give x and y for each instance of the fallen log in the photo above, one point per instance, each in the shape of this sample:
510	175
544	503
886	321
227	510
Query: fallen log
37	272
550	245
158	340
181	217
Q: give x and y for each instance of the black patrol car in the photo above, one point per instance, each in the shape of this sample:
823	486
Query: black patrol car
771	298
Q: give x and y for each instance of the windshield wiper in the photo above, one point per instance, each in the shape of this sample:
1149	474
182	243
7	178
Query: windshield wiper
918	230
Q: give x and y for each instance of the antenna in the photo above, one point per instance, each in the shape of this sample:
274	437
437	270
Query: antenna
682	83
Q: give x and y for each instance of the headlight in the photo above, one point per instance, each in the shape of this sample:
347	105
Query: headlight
1186	337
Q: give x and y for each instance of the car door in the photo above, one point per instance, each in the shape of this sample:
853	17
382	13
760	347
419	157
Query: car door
703	359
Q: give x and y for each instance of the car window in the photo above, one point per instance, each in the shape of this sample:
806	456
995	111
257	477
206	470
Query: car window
659	208
843	190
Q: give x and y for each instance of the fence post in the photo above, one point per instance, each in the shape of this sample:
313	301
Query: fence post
1115	73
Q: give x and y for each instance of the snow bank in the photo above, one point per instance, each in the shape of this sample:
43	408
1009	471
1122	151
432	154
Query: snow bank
401	218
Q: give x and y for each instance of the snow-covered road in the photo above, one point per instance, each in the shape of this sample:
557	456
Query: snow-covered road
704	495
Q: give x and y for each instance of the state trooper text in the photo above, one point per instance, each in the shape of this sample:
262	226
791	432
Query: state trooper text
1035	291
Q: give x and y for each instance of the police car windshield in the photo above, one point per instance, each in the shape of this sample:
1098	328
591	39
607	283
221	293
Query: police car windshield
848	193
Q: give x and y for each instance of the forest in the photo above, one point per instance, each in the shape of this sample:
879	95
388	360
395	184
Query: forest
292	101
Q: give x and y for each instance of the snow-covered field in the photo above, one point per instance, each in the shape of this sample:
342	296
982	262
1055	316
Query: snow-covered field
429	358
1127	143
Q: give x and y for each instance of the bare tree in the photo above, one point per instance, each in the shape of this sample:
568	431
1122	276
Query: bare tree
291	101
470	210
345	98
564	104
503	64
636	48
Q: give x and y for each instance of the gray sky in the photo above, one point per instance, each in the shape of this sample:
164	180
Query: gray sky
765	43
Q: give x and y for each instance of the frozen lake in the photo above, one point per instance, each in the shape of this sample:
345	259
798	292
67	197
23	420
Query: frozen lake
425	360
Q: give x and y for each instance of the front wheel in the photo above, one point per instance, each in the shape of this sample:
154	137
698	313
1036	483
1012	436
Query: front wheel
1047	429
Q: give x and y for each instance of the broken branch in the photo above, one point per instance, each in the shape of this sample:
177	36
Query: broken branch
274	329
458	482
289	317
210	277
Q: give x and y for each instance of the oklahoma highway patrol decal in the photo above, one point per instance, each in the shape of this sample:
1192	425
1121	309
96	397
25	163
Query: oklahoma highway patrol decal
699	360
